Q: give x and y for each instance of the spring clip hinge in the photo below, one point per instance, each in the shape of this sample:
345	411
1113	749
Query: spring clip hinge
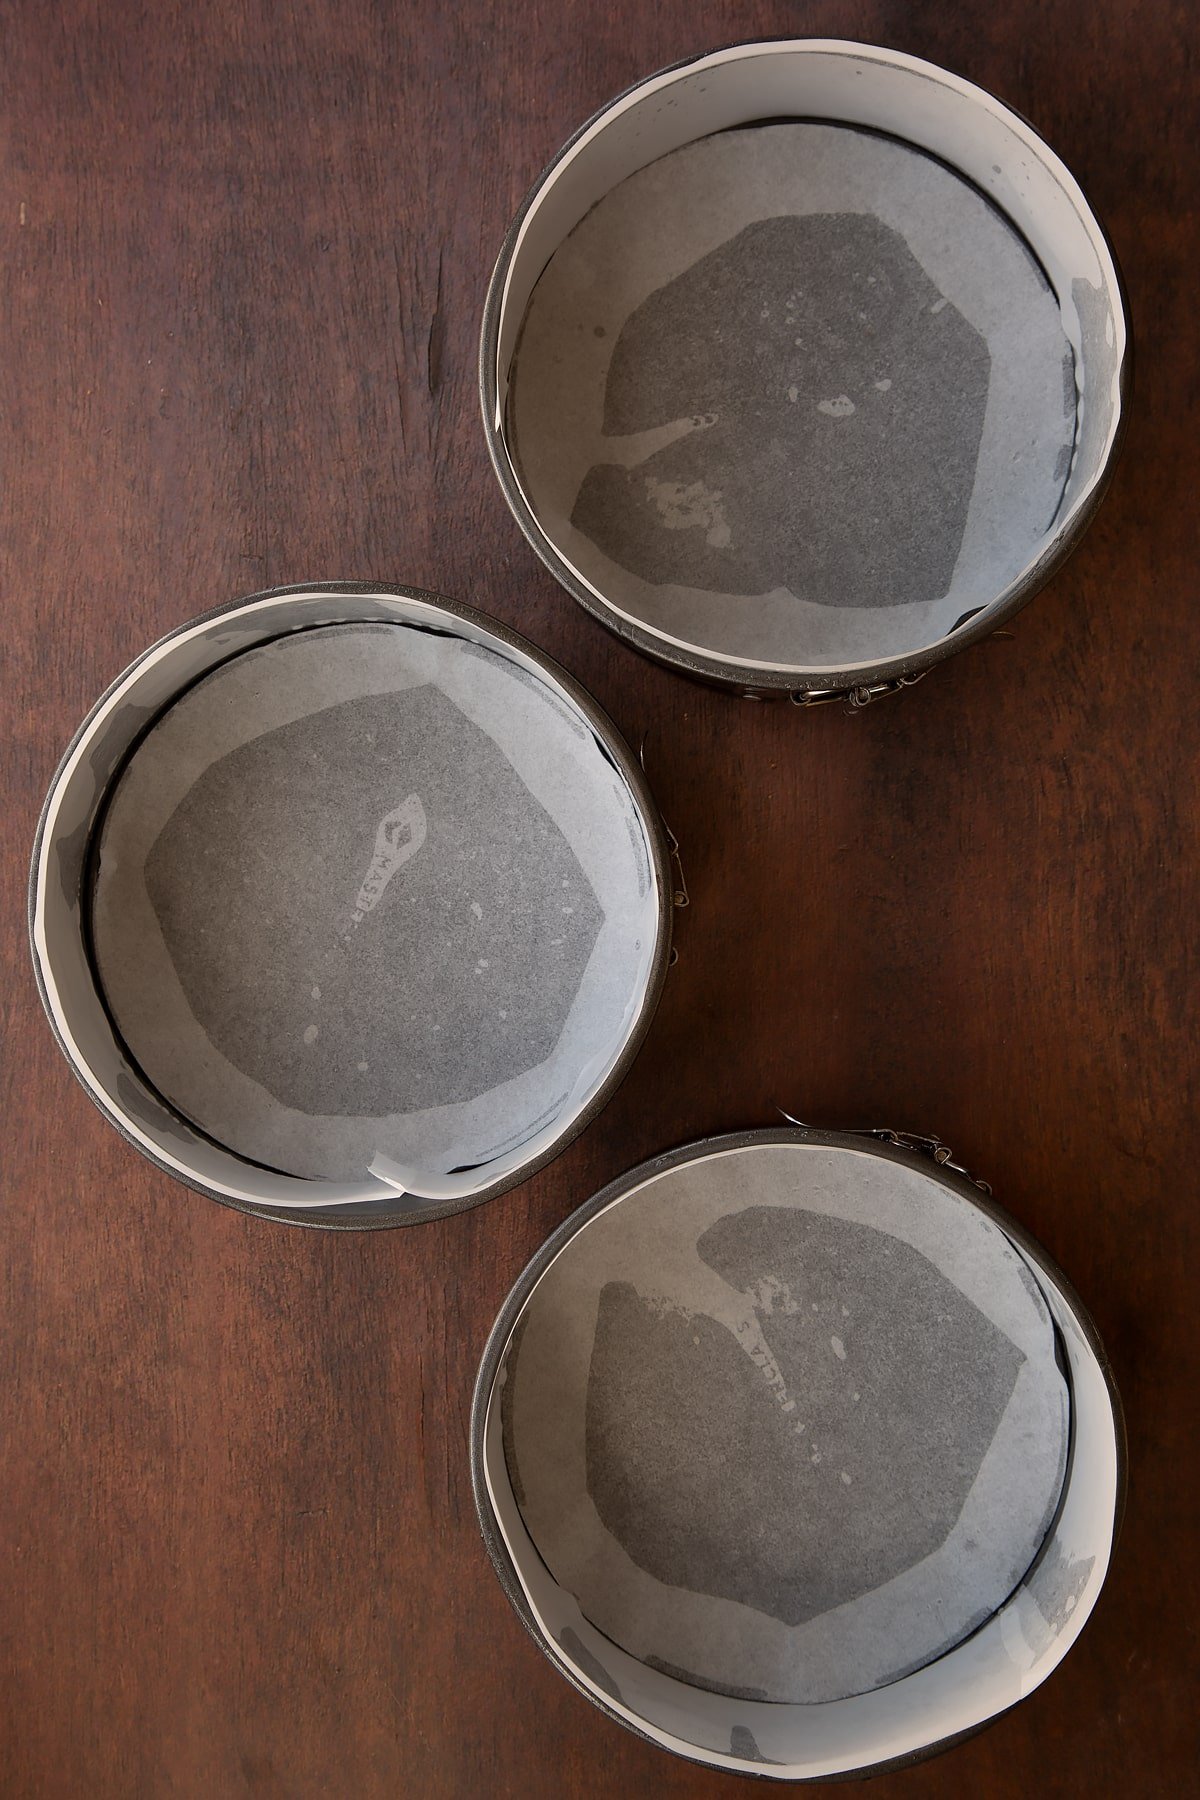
924	1144
856	697
930	1145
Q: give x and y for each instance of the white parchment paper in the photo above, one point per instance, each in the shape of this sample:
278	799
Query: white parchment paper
471	945
889	1375
806	463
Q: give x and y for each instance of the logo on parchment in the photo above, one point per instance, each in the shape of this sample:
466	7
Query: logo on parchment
400	834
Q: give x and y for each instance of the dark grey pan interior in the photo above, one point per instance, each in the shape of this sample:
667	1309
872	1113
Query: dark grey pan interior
801	358
778	1436
791	1428
795	389
368	892
349	906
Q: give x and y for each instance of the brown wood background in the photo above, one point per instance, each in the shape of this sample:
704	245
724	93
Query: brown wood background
243	253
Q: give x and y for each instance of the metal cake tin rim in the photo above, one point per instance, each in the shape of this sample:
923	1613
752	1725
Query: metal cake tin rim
750	680
501	1333
614	744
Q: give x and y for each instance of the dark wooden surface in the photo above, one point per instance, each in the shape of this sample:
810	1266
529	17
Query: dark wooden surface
243	252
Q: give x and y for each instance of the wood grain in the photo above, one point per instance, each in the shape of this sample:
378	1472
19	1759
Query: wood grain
243	251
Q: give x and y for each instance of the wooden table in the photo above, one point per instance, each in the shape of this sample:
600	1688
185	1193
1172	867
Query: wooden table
245	248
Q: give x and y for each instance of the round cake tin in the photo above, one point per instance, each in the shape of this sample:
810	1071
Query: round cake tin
348	906
796	1454
803	366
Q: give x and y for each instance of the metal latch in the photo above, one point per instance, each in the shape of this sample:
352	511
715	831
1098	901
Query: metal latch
932	1146
680	896
856	697
926	1145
